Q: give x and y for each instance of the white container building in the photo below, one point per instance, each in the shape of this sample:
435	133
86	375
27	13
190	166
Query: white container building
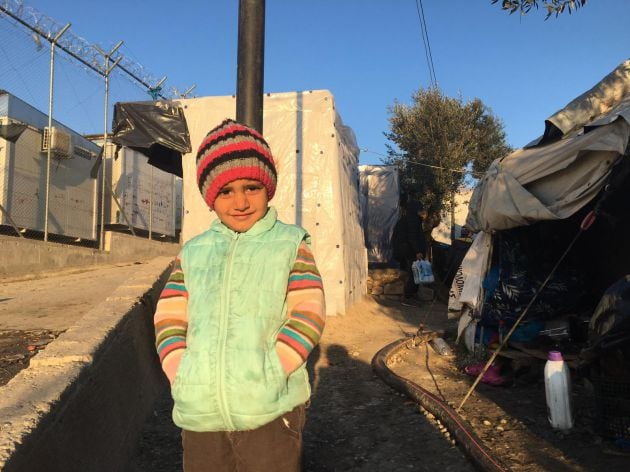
73	205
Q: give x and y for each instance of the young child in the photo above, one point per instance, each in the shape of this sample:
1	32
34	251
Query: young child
238	317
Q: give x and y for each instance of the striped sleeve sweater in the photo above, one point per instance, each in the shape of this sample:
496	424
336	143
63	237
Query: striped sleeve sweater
297	338
305	313
171	321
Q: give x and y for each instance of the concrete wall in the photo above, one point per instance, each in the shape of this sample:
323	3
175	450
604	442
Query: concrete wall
82	402
21	257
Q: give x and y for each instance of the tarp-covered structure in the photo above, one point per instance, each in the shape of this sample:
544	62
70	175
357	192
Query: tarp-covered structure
379	195
317	161
530	205
443	233
557	174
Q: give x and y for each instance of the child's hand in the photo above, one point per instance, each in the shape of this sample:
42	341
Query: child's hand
288	364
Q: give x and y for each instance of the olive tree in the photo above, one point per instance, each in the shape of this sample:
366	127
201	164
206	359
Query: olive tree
552	6
438	141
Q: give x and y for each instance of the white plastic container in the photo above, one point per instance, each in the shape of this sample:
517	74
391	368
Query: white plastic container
558	391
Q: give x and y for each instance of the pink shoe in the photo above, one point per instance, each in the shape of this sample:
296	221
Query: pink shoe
492	376
474	369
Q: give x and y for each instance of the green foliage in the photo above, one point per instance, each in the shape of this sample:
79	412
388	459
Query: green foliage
552	6
436	139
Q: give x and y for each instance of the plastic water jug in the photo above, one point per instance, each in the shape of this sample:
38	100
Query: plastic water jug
417	273
558	391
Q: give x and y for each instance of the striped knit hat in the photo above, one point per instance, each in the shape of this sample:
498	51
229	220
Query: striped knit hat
233	151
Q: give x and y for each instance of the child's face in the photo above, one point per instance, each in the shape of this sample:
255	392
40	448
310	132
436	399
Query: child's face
241	203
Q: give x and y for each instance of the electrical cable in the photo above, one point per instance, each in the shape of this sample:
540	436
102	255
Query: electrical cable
426	32
427	45
460	171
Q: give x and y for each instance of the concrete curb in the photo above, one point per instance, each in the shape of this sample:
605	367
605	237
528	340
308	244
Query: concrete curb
28	258
83	400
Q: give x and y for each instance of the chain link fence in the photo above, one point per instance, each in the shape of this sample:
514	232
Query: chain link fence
53	185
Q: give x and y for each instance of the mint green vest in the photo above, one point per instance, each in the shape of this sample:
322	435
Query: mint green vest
230	377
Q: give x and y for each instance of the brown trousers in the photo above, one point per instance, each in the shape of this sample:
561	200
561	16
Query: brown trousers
276	446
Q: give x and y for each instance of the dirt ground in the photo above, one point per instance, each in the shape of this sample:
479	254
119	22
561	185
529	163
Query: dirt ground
357	423
512	420
18	347
35	310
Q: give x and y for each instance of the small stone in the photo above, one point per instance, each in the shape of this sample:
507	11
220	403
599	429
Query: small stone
503	421
486	423
377	290
500	429
394	288
14	357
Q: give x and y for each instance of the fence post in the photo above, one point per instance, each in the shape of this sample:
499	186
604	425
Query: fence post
107	70
151	206
50	107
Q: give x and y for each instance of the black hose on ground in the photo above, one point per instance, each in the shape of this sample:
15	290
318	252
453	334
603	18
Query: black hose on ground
465	437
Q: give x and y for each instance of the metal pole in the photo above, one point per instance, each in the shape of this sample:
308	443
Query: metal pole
190	89
50	106
105	137
151	206
251	61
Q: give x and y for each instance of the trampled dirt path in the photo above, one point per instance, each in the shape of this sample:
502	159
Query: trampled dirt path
357	423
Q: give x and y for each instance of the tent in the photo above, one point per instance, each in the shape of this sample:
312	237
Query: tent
530	205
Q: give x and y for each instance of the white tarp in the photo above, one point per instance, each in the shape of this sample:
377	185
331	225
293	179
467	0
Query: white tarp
379	194
147	194
466	293
557	177
442	233
317	162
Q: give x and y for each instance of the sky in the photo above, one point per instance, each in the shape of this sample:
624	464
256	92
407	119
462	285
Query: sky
369	53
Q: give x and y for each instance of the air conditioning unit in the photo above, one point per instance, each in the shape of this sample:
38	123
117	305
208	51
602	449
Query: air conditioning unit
59	141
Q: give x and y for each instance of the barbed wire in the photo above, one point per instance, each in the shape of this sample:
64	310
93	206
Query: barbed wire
90	55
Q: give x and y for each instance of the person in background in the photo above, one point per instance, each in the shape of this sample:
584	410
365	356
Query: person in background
429	221
240	314
408	239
